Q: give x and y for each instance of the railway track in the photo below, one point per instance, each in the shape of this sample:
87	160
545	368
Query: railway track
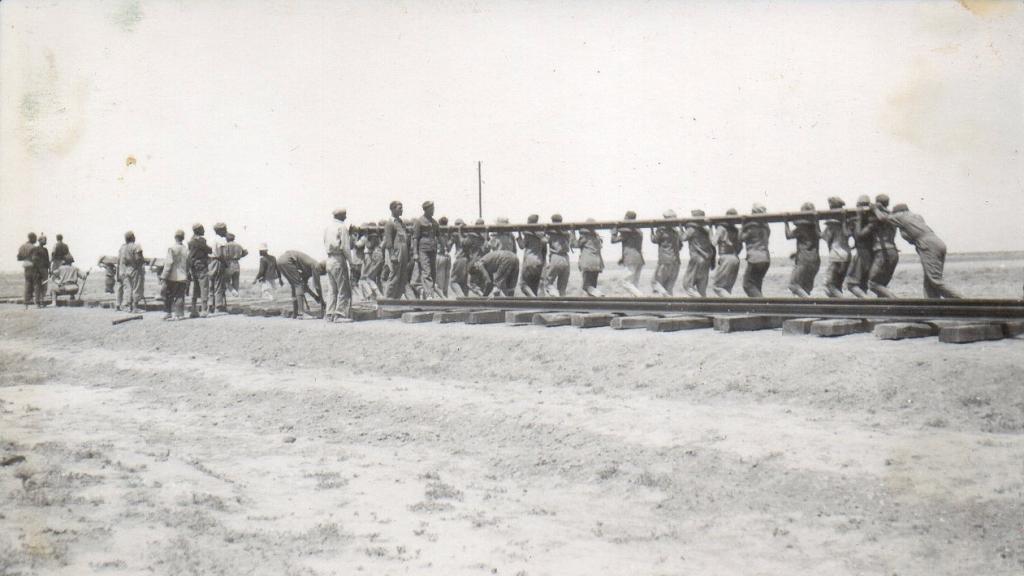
966	320
954	321
972	310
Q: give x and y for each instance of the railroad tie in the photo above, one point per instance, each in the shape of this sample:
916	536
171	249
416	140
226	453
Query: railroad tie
552	319
418	317
798	325
595	320
450	316
486	317
839	327
965	333
904	330
520	317
631	322
746	323
677	323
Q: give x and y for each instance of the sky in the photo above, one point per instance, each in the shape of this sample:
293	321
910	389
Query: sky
151	115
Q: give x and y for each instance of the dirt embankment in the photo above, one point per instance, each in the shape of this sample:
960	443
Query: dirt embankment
267	446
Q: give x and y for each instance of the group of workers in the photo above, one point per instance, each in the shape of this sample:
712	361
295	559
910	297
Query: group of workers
414	259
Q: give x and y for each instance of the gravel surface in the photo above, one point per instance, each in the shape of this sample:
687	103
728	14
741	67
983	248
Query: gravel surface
241	445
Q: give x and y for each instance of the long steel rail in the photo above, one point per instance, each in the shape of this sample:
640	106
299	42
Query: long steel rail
645	223
973	309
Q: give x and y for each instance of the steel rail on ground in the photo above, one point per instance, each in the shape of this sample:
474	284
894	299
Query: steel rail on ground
973	309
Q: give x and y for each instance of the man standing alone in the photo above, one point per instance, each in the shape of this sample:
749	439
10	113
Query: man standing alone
338	244
131	272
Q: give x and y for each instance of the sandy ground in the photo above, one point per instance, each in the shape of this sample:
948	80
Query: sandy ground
268	446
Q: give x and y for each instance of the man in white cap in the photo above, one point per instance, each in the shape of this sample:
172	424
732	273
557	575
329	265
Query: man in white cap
424	246
267	273
755	237
338	244
669	244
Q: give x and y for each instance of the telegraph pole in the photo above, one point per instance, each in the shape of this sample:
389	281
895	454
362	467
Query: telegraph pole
479	190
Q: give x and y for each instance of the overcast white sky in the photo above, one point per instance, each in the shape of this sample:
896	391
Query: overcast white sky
266	115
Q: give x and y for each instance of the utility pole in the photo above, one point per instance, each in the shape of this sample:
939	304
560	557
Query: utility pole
479	190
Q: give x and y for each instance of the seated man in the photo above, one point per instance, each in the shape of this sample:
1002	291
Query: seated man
65	279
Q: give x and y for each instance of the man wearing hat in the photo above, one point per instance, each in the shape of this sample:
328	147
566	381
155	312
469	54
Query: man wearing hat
338	244
199	271
755	237
31	278
267	273
534	245
502	239
444	257
930	248
702	256
590	263
218	270
496	270
373	265
858	274
469	246
41	262
299	268
837	238
807	260
884	254
424	246
557	270
632	258
233	252
397	247
727	241
669	244
175	278
65	279
131	272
